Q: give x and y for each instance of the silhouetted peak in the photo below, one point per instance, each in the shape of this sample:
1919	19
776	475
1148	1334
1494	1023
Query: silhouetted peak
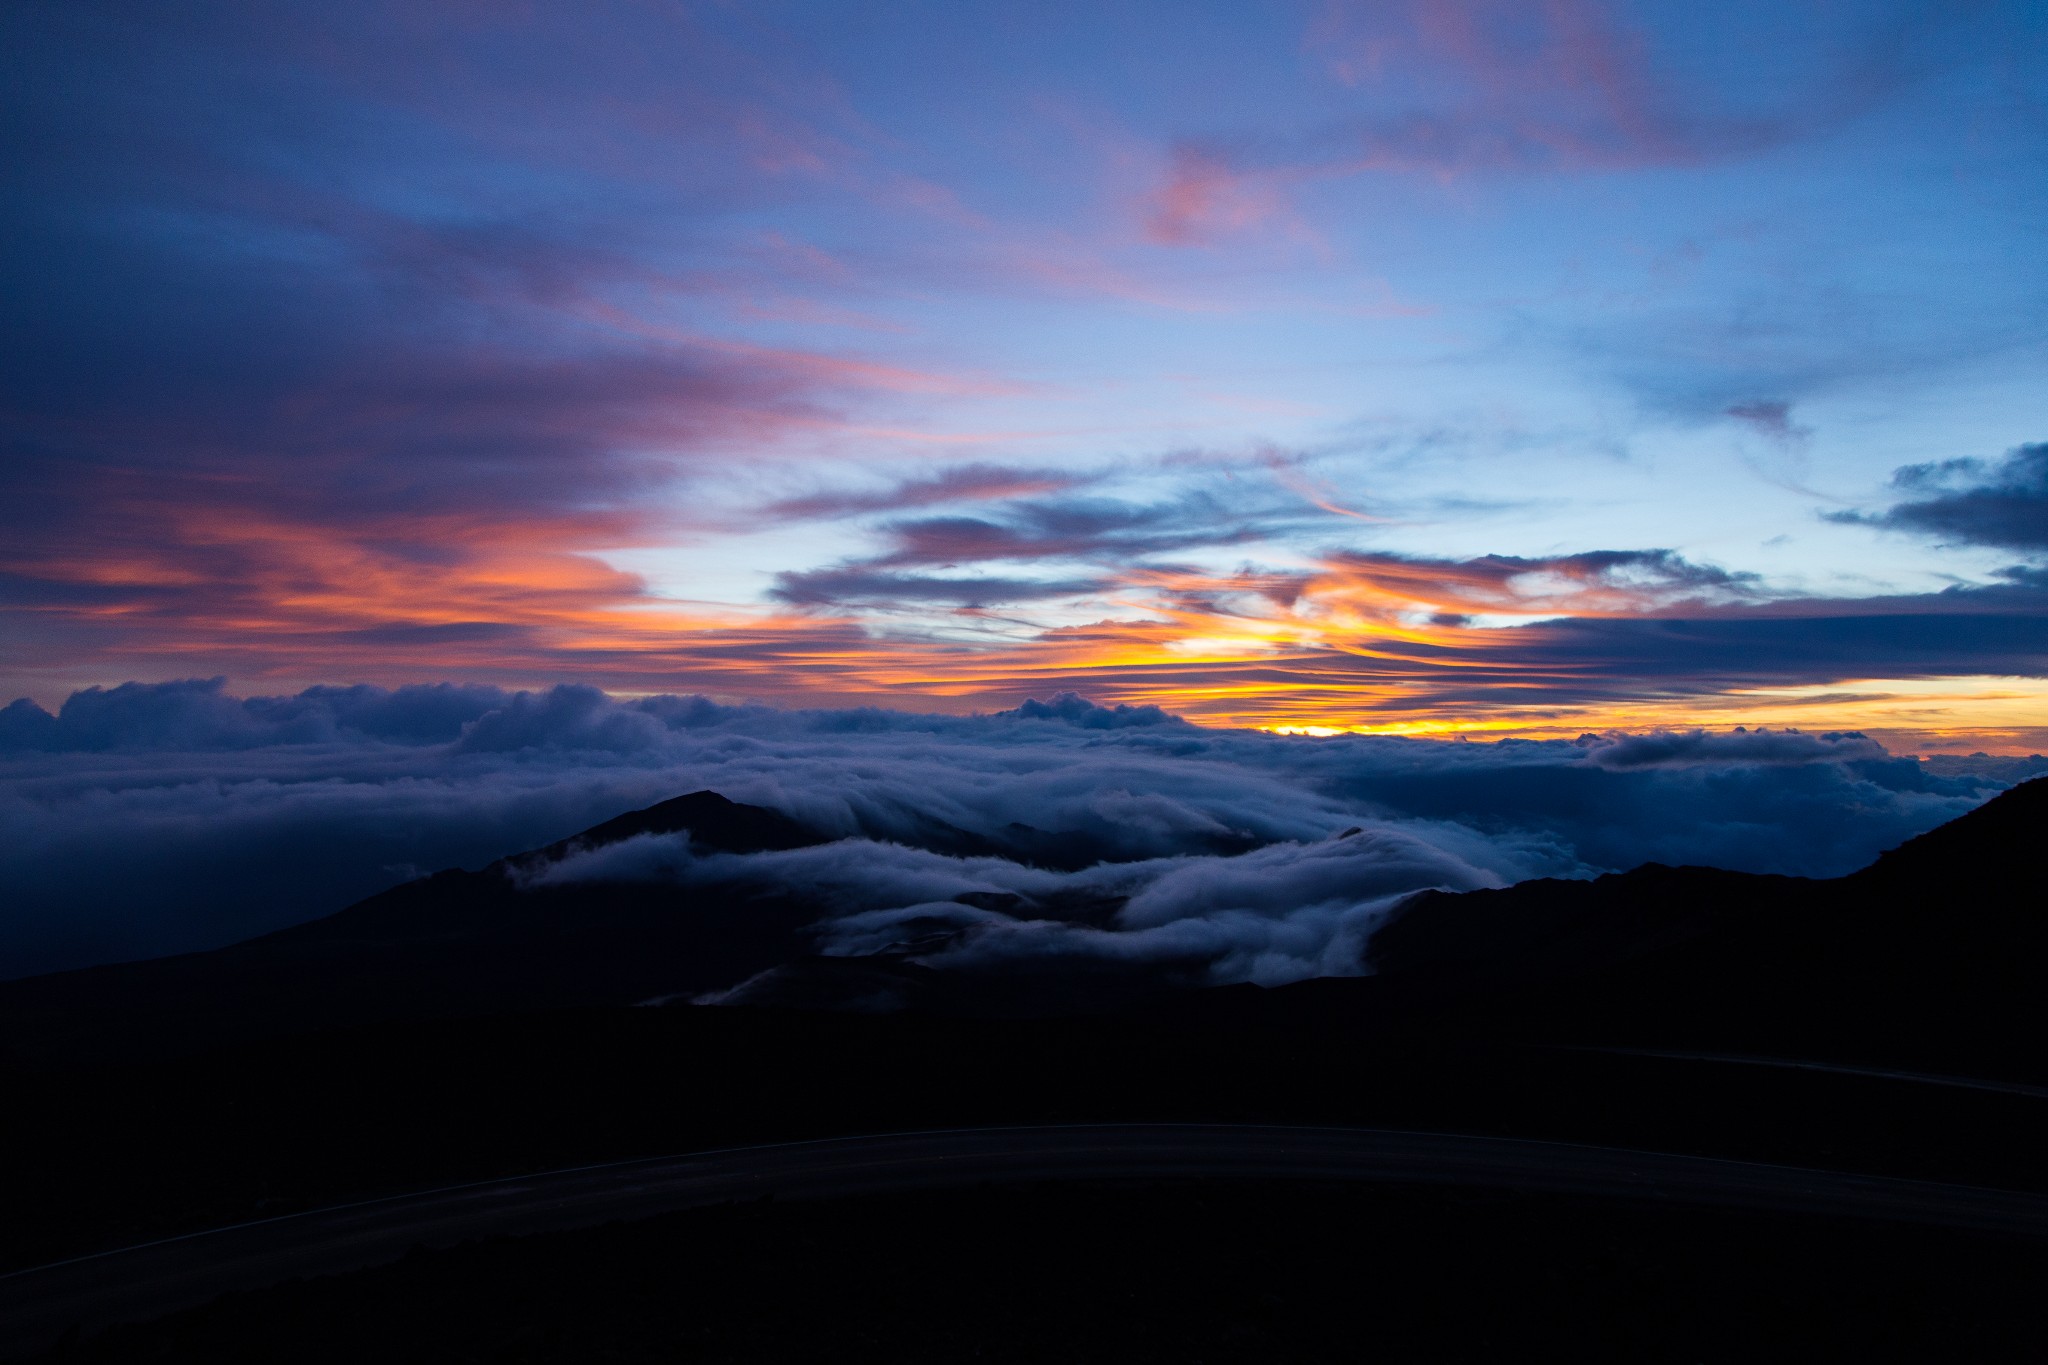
1543	924
1997	844
714	824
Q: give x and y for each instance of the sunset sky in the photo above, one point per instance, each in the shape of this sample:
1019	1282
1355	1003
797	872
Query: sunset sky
1419	367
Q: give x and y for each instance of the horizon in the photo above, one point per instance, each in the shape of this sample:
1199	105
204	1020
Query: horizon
16	736
169	818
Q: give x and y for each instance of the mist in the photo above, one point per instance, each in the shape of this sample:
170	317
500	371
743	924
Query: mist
159	818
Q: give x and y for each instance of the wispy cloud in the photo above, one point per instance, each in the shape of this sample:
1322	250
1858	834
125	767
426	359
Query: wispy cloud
964	483
1204	197
1770	418
1453	88
858	586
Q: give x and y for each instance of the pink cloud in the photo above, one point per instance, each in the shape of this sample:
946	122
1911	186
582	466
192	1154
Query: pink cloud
1204	197
1458	87
1453	89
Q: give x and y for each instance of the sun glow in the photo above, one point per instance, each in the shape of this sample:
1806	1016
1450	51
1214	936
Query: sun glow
1351	645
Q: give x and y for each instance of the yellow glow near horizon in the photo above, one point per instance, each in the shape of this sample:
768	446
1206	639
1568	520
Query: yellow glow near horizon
1996	715
1348	646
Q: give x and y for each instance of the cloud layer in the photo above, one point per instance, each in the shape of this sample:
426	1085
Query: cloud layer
149	819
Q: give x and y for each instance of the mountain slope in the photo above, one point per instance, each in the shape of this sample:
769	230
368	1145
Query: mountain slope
455	943
1931	957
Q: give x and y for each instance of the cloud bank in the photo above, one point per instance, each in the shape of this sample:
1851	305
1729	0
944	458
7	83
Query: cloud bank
156	818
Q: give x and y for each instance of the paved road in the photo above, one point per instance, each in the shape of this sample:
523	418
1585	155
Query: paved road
139	1283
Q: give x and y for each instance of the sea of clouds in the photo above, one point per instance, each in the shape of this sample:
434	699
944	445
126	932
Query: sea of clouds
158	818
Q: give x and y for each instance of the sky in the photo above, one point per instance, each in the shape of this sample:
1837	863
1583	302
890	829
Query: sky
1419	368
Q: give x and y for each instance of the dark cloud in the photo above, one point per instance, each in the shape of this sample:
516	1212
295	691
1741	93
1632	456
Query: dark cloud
1111	535
1703	656
1771	417
958	483
1096	530
26	728
1638	580
2001	503
573	718
1075	709
147	819
955	540
878	588
1742	745
313	320
2003	767
198	715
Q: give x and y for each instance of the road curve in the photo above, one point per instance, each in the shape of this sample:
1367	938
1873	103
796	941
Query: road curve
138	1283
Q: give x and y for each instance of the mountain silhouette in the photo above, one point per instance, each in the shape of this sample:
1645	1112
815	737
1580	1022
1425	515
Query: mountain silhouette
454	943
1930	956
478	1024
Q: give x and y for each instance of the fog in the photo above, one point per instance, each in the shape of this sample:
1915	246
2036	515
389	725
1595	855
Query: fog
158	818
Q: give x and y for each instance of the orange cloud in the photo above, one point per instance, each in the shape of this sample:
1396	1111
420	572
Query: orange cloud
1631	640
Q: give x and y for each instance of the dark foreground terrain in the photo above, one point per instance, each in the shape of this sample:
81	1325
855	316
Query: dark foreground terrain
461	1029
1137	1273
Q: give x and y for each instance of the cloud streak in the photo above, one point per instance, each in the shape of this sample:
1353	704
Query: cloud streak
968	483
1455	88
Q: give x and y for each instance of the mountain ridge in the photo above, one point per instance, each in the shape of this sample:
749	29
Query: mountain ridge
1544	954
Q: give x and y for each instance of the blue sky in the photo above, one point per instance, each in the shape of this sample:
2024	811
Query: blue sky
1425	367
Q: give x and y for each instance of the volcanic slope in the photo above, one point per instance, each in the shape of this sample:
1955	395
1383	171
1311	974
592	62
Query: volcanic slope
453	944
1928	958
